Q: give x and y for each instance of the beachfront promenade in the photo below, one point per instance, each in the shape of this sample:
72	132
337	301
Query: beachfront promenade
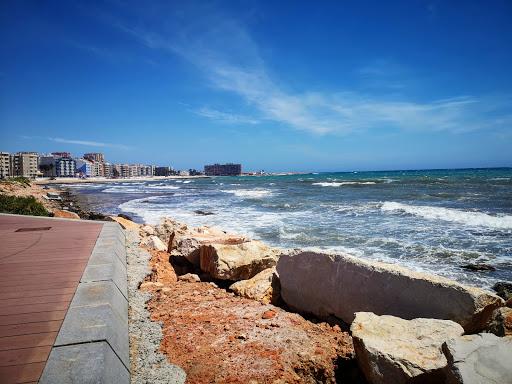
63	301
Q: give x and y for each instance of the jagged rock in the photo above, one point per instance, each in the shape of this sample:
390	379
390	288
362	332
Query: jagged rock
147	230
501	322
125	223
393	350
126	217
341	285
237	262
263	287
203	213
65	214
154	242
475	359
188	244
189	278
503	290
167	227
478	267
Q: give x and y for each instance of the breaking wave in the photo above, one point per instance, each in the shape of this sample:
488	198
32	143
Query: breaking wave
339	184
250	193
474	219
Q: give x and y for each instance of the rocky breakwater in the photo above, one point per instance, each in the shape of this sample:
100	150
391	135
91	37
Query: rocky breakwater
217	336
341	285
407	327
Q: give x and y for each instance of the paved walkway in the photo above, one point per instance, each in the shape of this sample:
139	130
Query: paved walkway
41	263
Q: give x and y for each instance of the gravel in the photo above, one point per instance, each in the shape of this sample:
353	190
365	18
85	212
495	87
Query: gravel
148	365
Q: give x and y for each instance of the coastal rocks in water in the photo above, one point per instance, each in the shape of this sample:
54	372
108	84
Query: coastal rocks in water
237	262
341	285
153	242
65	214
203	213
125	223
263	287
503	290
478	267
482	358
501	322
190	278
126	217
393	350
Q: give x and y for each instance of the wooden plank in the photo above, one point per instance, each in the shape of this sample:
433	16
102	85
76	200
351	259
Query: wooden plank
33	288
58	298
24	355
26	341
30	328
21	373
45	307
26	318
36	293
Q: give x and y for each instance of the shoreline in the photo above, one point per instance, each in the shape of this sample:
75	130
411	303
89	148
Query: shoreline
76	180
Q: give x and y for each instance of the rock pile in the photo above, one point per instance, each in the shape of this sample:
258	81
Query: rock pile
406	326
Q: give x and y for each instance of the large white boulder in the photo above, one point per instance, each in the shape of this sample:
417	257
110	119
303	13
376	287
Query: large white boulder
341	285
393	350
237	262
263	287
478	359
153	242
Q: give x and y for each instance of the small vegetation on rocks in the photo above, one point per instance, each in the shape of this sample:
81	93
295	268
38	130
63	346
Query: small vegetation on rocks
22	206
19	180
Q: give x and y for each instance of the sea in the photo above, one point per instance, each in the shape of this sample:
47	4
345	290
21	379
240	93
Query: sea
427	220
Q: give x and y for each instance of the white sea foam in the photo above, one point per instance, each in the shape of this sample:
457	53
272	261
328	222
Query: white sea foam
162	187
187	181
250	193
339	184
474	219
122	189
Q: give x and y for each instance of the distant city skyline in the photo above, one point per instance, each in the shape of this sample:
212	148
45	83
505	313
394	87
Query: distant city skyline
286	86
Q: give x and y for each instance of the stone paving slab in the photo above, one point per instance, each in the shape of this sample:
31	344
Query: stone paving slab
98	293
114	271
92	363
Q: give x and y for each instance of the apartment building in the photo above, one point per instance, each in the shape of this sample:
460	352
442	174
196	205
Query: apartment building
65	167
108	170
223	169
84	167
24	164
95	156
164	171
5	165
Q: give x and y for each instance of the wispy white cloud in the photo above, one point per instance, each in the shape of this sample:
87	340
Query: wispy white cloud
225	117
88	143
231	61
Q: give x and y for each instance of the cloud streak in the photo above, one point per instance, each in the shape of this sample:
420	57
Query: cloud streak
88	143
223	50
225	117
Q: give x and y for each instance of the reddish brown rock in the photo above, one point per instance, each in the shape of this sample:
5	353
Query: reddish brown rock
65	214
268	314
217	337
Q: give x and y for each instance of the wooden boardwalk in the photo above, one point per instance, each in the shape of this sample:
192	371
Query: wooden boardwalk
41	263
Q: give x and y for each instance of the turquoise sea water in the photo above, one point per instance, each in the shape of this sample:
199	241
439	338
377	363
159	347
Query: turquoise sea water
432	220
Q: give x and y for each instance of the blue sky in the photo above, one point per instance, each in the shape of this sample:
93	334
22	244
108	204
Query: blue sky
325	86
